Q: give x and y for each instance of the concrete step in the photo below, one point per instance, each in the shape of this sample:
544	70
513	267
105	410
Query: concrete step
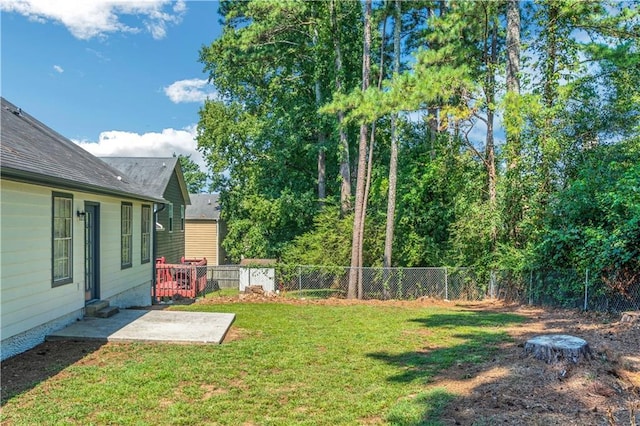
91	309
107	312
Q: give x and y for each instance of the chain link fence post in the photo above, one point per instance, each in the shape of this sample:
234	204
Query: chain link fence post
492	285
446	285
299	281
586	286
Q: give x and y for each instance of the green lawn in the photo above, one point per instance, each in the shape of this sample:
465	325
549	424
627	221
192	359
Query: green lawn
294	364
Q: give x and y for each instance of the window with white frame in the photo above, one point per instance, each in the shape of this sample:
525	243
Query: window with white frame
182	218
126	235
170	217
62	239
146	234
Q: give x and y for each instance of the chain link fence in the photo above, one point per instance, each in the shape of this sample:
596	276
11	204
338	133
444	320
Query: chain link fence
568	288
382	283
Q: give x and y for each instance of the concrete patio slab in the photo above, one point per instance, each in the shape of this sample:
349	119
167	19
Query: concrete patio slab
134	325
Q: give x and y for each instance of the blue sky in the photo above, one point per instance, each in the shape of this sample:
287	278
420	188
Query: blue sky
119	78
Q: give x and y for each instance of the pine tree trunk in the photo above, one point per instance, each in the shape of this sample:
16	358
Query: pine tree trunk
372	141
343	148
322	179
393	160
513	47
345	169
491	56
513	149
433	122
358	220
322	192
549	94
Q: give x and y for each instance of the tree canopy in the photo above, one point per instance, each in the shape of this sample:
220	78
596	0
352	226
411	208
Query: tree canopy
506	135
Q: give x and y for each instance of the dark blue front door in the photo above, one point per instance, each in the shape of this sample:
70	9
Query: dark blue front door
91	251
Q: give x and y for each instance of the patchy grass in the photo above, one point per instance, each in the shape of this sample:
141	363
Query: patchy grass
223	292
294	364
324	293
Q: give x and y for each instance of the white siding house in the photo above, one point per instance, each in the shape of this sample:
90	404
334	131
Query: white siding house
72	231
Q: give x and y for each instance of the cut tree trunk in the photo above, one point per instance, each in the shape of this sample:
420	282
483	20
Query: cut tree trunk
554	348
631	317
254	289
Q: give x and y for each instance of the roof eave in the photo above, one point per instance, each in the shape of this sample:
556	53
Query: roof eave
40	179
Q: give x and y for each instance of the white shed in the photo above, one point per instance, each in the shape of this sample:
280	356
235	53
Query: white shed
257	272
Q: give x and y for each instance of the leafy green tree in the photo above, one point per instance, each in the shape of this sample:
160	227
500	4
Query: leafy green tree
264	142
569	96
326	244
595	221
194	177
563	75
440	185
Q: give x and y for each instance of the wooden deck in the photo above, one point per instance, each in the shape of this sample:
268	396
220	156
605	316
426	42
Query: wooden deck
187	279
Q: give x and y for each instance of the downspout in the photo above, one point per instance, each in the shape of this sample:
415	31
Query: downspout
158	208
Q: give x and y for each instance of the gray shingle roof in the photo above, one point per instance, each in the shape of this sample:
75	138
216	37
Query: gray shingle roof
153	173
203	207
33	152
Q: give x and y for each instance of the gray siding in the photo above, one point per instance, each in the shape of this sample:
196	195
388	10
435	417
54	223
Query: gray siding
171	244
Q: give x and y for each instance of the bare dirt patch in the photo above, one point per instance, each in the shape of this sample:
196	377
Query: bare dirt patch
520	390
23	371
509	389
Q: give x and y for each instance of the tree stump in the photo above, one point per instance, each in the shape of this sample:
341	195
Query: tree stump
554	348
631	317
254	289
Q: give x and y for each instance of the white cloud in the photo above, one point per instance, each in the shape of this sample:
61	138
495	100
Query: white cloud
115	143
97	18
58	68
101	57
193	90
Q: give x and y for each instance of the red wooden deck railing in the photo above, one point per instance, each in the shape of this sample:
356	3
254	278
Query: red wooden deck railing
186	279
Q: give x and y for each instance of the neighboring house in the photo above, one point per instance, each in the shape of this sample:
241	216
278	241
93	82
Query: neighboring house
163	178
73	230
204	229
